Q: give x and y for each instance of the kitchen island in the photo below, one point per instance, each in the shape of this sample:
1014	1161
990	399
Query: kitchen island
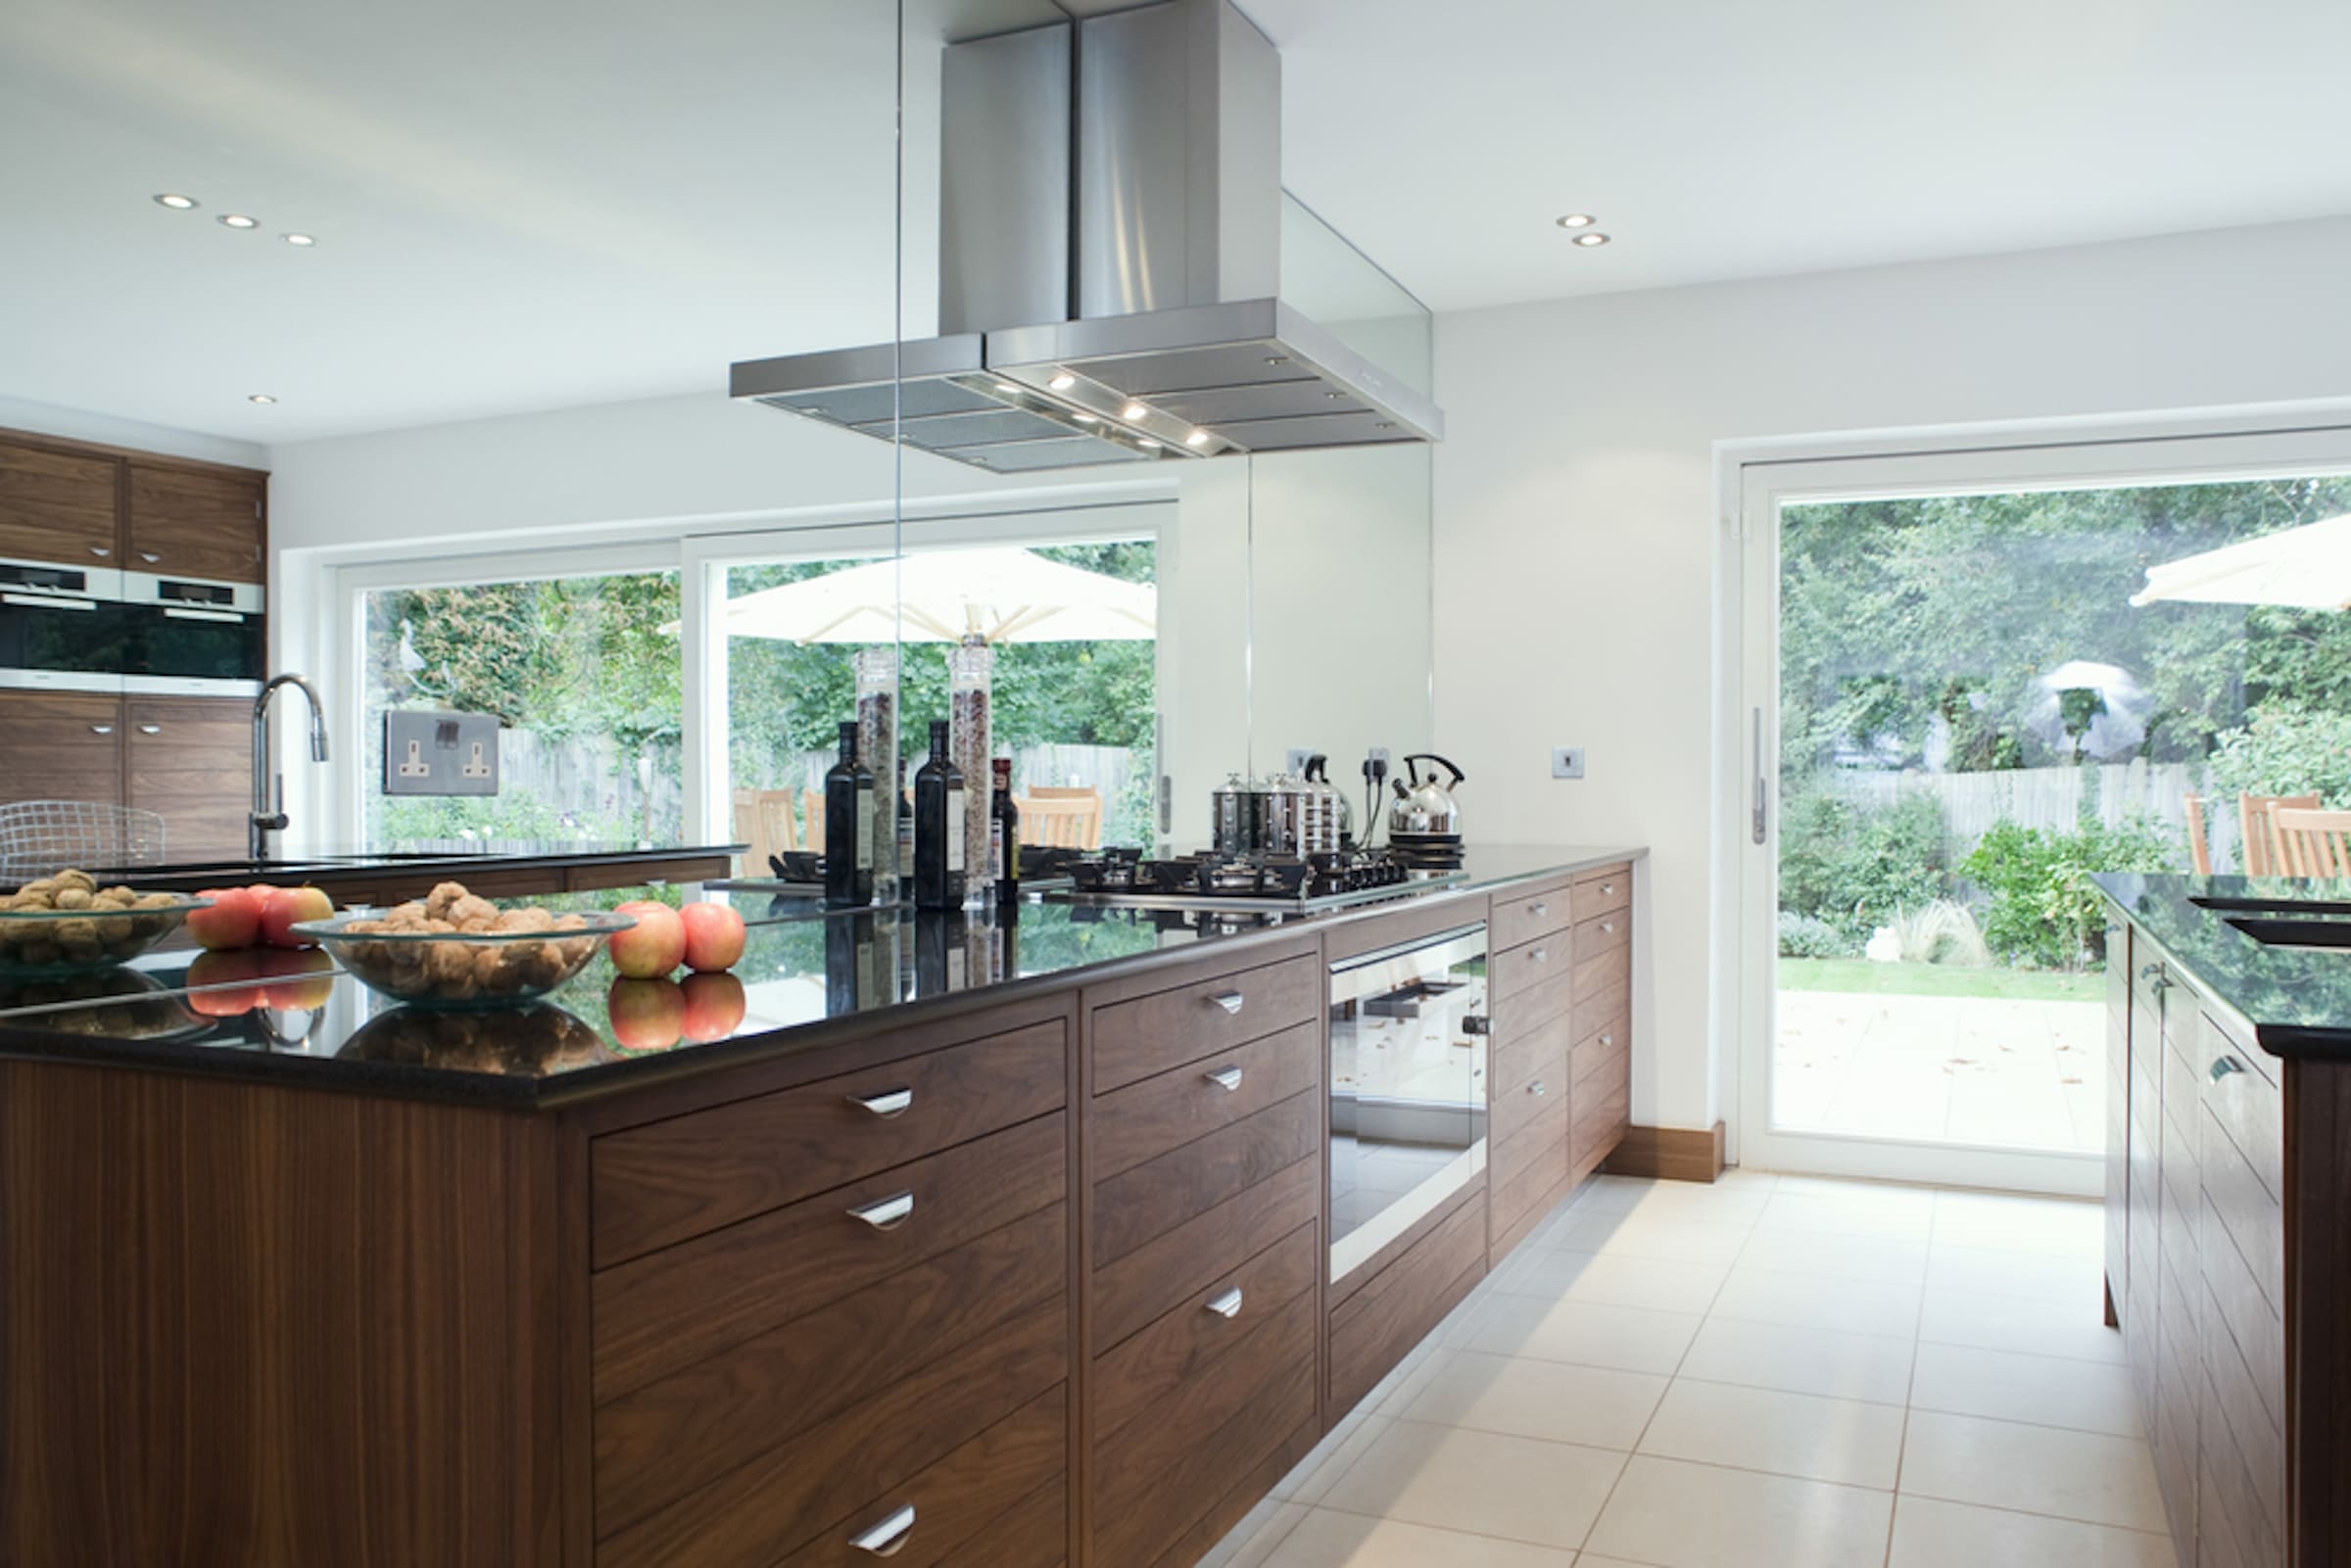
969	1239
2228	1203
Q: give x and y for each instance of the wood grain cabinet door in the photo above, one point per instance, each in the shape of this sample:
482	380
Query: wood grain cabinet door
190	522
62	745
57	507
190	759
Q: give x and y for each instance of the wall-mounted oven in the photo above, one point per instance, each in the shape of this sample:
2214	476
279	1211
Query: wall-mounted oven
189	635
1407	1087
63	628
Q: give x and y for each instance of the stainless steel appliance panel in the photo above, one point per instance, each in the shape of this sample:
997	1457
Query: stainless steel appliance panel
1005	181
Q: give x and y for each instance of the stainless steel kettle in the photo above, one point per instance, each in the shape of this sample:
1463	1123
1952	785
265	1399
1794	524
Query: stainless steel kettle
1423	805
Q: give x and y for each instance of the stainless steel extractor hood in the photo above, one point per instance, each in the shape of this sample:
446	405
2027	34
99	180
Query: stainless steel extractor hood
1110	222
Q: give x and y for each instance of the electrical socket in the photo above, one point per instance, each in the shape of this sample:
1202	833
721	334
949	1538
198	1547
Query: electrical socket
1566	762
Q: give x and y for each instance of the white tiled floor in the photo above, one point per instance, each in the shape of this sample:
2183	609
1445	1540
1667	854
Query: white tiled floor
1770	1372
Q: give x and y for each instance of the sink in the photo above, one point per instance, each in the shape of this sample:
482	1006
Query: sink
2246	903
2309	929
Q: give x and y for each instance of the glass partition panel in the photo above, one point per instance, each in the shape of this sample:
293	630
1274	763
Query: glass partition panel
1344	292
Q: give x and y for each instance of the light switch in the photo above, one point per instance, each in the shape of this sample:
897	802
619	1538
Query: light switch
1568	762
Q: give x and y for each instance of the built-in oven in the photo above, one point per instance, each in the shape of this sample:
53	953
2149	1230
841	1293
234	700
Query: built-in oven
1407	1087
189	635
63	628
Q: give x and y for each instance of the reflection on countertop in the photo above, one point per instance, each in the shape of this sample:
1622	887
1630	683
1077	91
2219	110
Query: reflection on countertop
2294	990
803	968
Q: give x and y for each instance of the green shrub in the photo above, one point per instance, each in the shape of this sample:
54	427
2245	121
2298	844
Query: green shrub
1855	867
2284	750
1809	936
2044	912
1942	932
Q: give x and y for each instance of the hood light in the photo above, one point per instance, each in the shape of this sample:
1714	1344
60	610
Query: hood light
1085	418
261	397
175	202
1134	411
1062	382
1198	438
1592	240
1008	389
1147	444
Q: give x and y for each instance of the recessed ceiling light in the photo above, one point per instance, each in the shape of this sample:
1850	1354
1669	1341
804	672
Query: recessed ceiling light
1578	220
1134	411
303	240
1198	438
175	202
1063	382
259	396
1587	240
240	220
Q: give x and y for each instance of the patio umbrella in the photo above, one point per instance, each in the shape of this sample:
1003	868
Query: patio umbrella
2106	716
2305	568
1005	594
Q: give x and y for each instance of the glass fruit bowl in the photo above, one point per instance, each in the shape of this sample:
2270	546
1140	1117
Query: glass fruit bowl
464	970
39	944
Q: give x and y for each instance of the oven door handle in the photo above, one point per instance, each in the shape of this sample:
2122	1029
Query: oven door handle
42	602
227	617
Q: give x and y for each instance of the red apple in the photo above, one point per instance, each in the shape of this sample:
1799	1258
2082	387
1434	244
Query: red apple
651	948
233	921
714	936
647	1015
714	1007
290	904
219	985
298	981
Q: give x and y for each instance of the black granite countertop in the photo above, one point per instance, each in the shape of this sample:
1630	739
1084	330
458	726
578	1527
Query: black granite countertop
805	975
2293	994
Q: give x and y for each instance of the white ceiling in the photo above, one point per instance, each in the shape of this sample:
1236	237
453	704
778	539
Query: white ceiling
541	203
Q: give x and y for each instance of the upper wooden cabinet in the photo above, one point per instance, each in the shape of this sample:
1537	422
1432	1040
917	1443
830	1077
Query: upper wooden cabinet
195	522
57	506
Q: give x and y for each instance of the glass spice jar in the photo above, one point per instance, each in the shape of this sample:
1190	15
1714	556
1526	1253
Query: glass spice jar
878	750
971	676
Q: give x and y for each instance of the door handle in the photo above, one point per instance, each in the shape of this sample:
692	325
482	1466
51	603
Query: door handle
102	728
1607	927
149	556
1228	1305
1761	814
884	1539
1536	1089
1229	1001
886	1104
151	728
2222	1066
885	1214
1225	1078
101	551
1541	955
1538	910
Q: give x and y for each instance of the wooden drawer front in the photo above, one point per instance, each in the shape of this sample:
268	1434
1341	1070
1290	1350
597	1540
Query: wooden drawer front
1372	1330
2237	1406
2241	1316
1608	1051
835	1477
1597	1010
960	1503
1604	933
1517	1200
2216	1538
1153	1477
1140	1206
57	507
1036	1534
1600	1117
2250	1218
1601	974
1150	1280
1536	1006
1150	1368
1517	920
1530	1079
1153	1033
1148	1118
1519	970
2249	1107
1546	1133
1598	891
188	523
1256	1484
657	1185
660	1442
61	746
2229	1508
662	1312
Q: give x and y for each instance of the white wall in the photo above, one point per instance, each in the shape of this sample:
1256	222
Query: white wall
79	424
1577	524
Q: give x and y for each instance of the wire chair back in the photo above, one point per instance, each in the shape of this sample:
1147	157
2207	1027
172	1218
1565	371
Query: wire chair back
42	837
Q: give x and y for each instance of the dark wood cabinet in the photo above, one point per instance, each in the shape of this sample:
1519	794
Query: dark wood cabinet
58	505
190	761
62	745
195	522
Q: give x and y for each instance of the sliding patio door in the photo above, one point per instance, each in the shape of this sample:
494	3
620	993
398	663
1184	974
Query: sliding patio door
1952	712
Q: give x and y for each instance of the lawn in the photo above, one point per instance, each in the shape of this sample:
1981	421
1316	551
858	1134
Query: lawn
1861	977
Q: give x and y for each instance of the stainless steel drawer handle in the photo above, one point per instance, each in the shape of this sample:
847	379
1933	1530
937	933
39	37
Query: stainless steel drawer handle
1609	927
1536	1089
1541	955
885	1214
2222	1066
1225	1078
888	1102
884	1539
2148	972
1228	1305
1608	1039
151	728
1606	888
1538	910
1229	1001
102	728
100	551
149	556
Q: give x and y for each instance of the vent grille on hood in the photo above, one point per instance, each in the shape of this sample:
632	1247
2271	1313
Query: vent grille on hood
1205	376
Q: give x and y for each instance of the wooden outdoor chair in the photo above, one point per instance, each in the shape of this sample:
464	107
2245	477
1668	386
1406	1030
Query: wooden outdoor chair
2257	841
763	821
1091	833
2199	852
1050	824
812	813
2311	844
